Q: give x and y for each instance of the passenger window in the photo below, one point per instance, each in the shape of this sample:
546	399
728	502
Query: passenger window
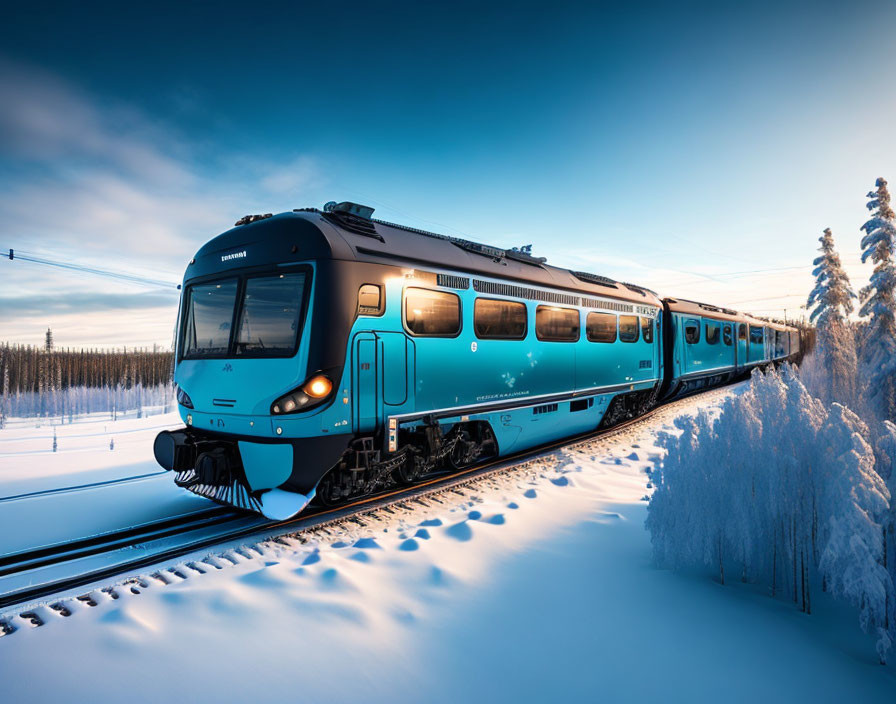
432	313
692	332
601	327
742	331
370	300
499	320
628	328
647	330
712	333
727	335
755	335
556	324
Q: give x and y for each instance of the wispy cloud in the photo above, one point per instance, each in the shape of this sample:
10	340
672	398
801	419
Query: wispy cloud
101	182
83	302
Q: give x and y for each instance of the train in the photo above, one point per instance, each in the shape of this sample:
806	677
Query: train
323	354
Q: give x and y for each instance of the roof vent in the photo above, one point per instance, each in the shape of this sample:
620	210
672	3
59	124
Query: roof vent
594	279
365	212
246	219
352	217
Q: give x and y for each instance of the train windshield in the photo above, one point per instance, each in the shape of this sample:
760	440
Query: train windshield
269	318
209	313
258	316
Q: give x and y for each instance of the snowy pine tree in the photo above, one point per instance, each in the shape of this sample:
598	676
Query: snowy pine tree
878	364
806	503
832	300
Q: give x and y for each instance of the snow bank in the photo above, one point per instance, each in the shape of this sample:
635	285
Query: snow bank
533	585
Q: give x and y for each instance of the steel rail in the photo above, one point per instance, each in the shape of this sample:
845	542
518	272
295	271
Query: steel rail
312	518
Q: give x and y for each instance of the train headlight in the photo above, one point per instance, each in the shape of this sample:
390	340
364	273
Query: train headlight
308	395
318	387
183	399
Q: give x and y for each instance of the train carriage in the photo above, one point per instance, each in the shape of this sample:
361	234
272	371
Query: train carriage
328	354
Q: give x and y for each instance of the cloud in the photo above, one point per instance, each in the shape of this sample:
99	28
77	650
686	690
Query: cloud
292	178
49	121
91	173
100	182
85	302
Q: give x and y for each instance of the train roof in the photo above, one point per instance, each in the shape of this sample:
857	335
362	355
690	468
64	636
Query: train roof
707	310
348	232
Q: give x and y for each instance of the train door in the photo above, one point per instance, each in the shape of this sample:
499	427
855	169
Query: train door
383	378
396	352
743	347
365	391
691	359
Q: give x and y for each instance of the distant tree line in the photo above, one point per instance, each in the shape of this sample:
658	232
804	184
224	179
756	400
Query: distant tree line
31	368
44	381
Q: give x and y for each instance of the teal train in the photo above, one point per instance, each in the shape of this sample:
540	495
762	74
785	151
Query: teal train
327	355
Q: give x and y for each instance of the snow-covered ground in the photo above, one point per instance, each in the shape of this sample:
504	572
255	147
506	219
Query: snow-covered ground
533	585
84	487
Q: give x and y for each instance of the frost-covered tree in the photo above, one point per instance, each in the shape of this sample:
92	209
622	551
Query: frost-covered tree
805	503
831	302
885	454
854	499
878	364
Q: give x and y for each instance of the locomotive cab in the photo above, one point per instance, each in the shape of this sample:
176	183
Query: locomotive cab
259	377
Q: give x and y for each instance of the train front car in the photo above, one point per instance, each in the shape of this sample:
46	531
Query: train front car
332	355
260	354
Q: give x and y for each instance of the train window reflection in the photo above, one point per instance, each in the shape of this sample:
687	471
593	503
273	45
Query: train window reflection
269	317
207	319
499	320
628	328
756	335
556	324
431	313
600	327
647	329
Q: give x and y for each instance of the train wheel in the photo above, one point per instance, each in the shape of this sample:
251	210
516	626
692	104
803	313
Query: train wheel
408	471
464	451
328	494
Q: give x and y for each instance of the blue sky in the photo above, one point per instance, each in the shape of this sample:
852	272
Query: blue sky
696	148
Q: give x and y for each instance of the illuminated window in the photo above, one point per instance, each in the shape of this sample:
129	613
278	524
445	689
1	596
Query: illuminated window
600	327
431	313
499	320
556	324
370	300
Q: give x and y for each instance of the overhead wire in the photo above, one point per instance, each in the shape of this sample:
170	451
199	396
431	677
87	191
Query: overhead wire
14	254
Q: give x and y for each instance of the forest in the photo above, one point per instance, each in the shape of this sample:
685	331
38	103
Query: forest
46	381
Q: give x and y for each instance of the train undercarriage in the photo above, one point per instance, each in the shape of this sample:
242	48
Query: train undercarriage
363	470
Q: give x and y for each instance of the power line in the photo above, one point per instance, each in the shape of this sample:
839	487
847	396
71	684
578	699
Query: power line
108	273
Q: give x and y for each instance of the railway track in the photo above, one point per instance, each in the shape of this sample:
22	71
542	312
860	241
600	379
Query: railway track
30	576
